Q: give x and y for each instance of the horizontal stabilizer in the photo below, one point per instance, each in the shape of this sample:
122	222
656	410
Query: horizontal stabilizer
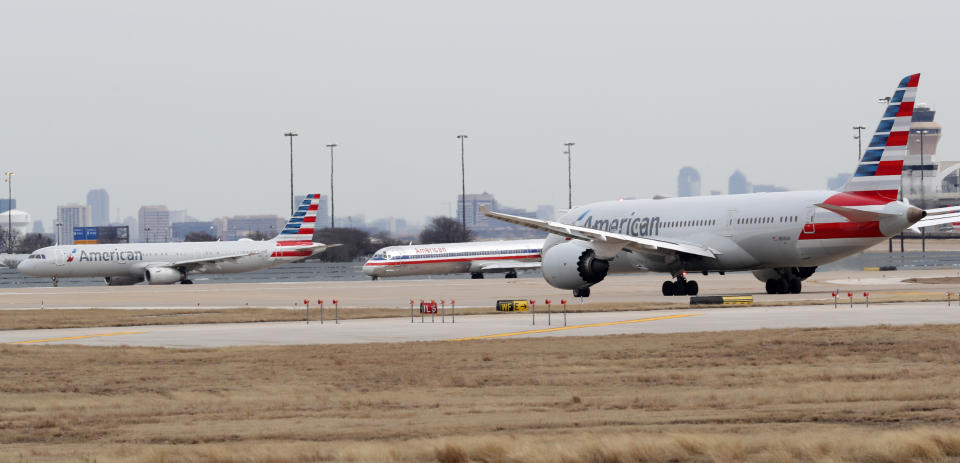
938	216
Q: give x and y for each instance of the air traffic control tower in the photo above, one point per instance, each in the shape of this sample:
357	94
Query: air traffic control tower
921	169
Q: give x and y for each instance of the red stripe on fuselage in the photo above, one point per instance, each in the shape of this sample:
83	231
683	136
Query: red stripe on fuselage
303	253
438	261
863	198
829	231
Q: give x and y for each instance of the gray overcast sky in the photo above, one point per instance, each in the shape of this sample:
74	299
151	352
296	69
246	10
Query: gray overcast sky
186	103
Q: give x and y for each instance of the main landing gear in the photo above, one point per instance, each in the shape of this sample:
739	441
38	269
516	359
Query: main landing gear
186	282
582	292
784	285
476	276
511	274
681	287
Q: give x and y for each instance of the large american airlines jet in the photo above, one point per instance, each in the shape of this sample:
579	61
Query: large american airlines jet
780	237
167	263
475	258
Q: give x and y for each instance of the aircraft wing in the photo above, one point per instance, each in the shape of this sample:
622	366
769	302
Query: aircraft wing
211	260
507	265
938	216
222	259
604	239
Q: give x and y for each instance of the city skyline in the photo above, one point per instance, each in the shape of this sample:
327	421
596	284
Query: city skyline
195	119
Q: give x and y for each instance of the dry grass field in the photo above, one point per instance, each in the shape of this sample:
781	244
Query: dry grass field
881	394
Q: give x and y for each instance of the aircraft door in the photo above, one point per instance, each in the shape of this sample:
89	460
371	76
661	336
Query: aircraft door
61	257
728	226
810	220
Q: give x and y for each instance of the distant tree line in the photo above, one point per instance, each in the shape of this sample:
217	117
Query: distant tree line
23	244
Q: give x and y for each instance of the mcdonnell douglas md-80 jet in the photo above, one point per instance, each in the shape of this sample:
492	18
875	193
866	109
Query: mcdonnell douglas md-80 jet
780	237
167	263
475	258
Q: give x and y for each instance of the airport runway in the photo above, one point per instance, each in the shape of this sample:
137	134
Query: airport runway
466	292
499	326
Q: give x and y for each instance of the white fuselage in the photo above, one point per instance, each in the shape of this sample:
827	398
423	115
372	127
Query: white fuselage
747	232
446	258
130	260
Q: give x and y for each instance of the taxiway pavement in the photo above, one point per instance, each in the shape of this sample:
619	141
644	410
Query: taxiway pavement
499	326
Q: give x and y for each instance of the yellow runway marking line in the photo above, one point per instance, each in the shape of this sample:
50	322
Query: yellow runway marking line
591	325
78	337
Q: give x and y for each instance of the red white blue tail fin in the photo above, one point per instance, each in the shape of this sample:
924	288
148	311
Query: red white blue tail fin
300	227
877	179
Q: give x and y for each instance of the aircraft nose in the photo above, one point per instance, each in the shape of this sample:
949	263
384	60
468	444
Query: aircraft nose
23	266
367	269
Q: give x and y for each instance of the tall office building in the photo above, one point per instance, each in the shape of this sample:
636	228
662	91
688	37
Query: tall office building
688	182
70	216
99	203
154	224
738	184
474	217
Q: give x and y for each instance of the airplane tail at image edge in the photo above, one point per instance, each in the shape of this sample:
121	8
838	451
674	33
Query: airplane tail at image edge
877	178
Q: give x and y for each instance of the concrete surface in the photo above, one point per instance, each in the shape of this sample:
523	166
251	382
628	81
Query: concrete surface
513	325
467	292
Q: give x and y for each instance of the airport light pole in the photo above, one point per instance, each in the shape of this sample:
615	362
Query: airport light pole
463	186
569	175
332	209
858	128
9	181
291	135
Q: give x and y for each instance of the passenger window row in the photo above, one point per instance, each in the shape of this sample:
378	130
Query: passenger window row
761	220
689	223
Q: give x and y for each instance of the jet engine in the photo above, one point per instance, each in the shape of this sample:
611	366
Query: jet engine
122	281
162	275
573	265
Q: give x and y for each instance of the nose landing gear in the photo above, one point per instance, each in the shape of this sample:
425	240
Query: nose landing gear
681	287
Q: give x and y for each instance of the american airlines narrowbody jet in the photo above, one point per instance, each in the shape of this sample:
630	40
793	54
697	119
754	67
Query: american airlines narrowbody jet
780	237
168	263
475	258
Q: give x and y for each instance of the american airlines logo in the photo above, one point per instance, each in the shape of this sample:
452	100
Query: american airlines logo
633	226
109	256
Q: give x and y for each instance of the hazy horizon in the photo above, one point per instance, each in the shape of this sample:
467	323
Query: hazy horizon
186	104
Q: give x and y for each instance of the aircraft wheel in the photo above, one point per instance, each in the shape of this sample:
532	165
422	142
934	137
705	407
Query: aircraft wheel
795	286
476	276
186	282
374	278
667	288
679	288
772	286
510	275
692	288
582	292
